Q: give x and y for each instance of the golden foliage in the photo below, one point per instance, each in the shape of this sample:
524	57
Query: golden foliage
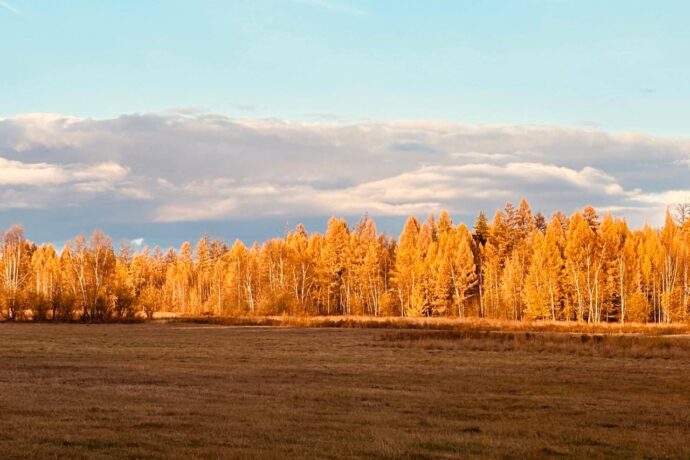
517	267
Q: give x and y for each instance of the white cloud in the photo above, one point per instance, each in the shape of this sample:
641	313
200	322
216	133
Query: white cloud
133	192
197	166
14	172
18	173
203	210
108	171
36	185
663	198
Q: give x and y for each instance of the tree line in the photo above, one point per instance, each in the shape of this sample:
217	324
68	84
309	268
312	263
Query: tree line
516	266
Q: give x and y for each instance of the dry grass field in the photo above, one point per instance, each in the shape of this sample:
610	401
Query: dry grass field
180	390
439	323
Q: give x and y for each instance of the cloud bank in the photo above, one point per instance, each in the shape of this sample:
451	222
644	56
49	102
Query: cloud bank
174	167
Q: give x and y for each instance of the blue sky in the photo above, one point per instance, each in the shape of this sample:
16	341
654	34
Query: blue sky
619	65
164	119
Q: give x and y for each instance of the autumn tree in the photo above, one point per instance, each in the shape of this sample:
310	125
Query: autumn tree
481	236
618	257
407	259
584	266
333	267
544	282
495	253
670	267
16	259
45	274
456	261
573	268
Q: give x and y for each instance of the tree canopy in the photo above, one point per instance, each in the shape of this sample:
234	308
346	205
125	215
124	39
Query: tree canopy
518	266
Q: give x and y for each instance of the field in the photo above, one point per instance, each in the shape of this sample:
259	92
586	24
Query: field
180	389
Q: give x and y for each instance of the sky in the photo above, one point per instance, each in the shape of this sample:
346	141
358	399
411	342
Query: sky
157	121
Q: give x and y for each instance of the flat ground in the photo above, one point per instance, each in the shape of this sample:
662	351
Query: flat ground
185	390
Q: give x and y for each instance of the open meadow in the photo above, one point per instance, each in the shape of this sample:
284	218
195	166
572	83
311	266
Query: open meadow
180	389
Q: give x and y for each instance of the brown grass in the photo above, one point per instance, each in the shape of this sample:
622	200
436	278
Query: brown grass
180	390
596	345
452	324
